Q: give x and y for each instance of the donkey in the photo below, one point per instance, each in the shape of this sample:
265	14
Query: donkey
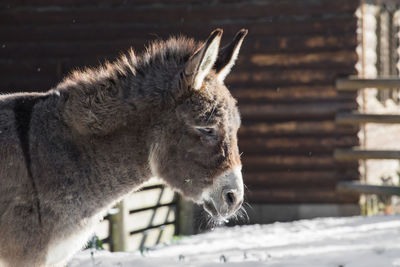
68	154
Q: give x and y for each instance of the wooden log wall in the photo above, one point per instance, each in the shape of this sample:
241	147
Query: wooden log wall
284	78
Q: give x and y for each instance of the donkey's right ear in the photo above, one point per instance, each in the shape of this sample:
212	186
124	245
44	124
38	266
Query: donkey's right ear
202	61
228	55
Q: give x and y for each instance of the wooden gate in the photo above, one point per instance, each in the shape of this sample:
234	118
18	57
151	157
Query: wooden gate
142	219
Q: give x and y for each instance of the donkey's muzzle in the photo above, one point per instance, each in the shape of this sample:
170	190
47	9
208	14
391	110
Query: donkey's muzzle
230	201
227	195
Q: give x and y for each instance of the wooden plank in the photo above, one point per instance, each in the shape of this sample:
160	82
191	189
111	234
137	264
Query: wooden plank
148	3
18	68
313	32
296	128
284	92
357	118
165	13
296	179
357	187
295	145
316	58
323	94
288	162
284	77
312	195
29	50
88	3
293	50
378	83
295	111
357	154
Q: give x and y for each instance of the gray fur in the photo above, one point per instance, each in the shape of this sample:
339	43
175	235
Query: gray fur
72	152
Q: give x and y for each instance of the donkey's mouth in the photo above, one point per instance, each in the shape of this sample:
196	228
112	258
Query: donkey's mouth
210	208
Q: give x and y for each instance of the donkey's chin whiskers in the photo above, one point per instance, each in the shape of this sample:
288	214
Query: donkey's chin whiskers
248	205
216	221
242	214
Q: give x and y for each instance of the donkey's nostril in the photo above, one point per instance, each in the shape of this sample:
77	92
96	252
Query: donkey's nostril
230	198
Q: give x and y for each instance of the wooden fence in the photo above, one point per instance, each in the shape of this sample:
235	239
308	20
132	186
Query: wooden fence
143	219
356	118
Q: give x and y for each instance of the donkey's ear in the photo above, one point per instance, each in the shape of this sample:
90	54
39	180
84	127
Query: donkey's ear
228	55
201	62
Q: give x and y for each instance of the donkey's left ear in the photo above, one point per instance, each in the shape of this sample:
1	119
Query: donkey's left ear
201	62
228	55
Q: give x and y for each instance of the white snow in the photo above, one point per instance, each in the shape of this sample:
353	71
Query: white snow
334	242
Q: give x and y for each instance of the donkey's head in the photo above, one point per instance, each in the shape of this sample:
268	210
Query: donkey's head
198	152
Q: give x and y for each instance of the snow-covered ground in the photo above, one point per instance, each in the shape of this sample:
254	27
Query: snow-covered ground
334	242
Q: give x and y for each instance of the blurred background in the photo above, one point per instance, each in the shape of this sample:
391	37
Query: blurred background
296	82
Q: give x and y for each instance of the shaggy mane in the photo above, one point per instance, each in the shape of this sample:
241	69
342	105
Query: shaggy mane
159	52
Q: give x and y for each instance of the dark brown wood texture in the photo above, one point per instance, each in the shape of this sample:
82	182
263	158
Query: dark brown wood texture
284	78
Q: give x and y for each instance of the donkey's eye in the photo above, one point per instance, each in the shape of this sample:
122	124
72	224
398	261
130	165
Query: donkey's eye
210	131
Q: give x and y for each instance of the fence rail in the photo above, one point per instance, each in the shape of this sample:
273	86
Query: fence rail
357	118
357	187
144	218
352	84
357	154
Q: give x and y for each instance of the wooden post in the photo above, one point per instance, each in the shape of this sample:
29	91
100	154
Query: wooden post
185	220
117	228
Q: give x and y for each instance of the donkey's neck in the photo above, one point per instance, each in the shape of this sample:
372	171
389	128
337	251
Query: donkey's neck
106	98
114	116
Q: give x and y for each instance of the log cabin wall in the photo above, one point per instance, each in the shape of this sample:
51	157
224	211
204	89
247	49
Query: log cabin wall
284	79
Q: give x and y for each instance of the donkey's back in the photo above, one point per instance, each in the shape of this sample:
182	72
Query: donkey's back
19	222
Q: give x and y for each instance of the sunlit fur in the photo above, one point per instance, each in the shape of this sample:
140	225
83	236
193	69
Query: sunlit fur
68	154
